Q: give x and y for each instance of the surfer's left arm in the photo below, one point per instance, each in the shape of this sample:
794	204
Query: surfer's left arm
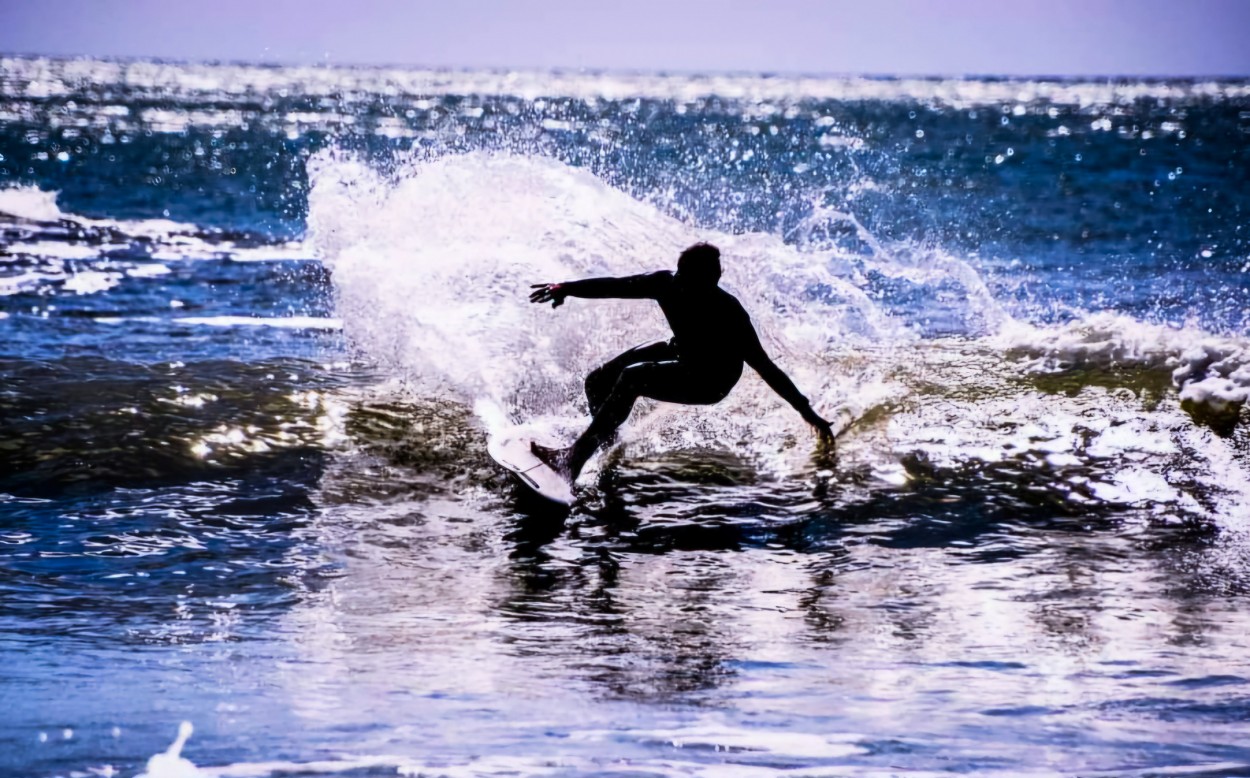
779	382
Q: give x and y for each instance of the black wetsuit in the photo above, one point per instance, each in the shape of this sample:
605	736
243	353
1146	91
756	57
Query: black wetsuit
712	338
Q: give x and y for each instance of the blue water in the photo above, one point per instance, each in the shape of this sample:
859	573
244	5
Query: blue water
258	322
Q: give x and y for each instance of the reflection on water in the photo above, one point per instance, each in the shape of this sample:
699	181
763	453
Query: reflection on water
686	622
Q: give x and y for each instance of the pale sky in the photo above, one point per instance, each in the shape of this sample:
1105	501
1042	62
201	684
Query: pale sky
904	37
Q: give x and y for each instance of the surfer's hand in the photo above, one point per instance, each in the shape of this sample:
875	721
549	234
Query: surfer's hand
823	428
826	454
547	293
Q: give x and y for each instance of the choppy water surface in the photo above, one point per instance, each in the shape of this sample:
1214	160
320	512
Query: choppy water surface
258	322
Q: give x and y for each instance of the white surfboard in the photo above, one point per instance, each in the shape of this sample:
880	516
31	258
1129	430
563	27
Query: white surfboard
512	450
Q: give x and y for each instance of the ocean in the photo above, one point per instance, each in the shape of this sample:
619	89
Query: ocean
258	322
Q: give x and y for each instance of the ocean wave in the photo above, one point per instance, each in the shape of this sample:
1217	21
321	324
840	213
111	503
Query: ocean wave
46	248
89	421
33	224
430	269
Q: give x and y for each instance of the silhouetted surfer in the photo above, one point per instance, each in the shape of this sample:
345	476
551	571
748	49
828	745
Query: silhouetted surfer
712	337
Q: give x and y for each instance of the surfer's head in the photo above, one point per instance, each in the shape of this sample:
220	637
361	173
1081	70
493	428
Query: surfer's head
699	265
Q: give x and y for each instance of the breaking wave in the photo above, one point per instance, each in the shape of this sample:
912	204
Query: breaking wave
431	266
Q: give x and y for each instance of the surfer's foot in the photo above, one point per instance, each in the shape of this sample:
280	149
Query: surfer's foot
555	458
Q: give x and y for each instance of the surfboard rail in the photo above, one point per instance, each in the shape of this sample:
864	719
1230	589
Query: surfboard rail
512	451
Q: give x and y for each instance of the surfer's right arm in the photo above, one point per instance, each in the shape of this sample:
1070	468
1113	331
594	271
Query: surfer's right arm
755	356
647	285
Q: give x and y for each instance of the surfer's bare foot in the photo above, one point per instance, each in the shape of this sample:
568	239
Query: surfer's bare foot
555	458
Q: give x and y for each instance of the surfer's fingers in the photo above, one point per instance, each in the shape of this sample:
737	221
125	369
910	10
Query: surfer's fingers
826	443
824	431
543	292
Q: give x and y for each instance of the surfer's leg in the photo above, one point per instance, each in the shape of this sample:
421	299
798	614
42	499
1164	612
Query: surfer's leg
668	381
602	380
611	391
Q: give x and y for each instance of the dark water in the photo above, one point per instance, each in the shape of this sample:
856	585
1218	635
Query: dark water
257	324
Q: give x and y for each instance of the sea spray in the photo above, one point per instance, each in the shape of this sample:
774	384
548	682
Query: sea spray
432	269
171	763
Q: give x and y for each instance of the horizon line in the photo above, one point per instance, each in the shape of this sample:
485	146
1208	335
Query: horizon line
591	70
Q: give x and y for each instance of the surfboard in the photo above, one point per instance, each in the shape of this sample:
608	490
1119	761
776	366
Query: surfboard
512	451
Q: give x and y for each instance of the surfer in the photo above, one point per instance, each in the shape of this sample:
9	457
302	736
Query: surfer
712	338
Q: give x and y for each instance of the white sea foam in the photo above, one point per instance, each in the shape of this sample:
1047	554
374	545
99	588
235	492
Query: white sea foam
60	250
91	282
184	249
289	322
149	270
29	202
1208	369
23	282
170	763
706	747
86	266
1221	393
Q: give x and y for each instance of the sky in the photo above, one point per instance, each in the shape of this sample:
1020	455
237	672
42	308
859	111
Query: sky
875	37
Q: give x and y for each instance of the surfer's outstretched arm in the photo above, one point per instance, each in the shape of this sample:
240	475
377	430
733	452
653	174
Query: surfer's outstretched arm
779	382
647	285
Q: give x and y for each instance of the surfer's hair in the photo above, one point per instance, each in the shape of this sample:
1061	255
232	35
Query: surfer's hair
700	263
